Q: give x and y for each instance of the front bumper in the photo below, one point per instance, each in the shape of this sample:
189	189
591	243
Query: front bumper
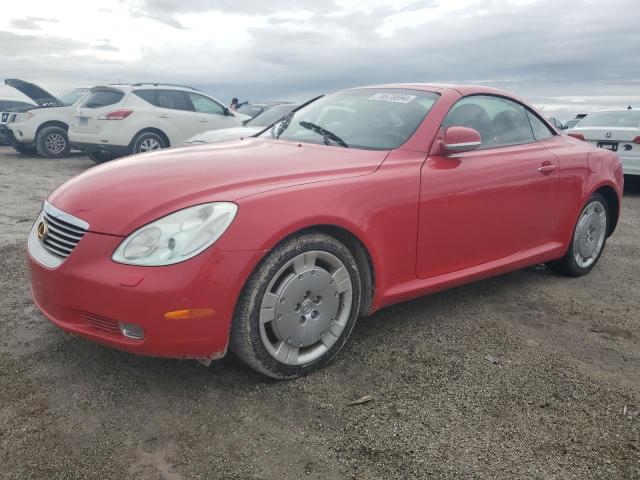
24	132
88	295
630	164
6	136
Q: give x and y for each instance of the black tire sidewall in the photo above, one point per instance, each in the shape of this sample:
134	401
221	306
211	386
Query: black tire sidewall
135	148
248	310
41	142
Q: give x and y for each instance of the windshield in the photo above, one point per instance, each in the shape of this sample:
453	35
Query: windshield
625	118
250	109
368	118
270	116
70	97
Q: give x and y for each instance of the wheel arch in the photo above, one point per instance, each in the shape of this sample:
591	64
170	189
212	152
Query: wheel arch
52	123
358	249
610	195
152	130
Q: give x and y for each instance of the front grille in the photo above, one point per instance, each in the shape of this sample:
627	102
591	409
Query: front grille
101	323
61	237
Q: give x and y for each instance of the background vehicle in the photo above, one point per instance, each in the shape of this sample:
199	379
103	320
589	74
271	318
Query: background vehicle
556	123
42	129
574	121
615	130
258	123
118	120
7	107
254	109
276	245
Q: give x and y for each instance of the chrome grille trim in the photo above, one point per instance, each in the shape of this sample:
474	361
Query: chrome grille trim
63	233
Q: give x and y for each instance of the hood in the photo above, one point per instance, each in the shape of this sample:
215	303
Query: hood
213	136
34	92
121	196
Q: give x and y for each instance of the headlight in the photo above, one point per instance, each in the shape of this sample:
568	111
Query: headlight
176	237
23	117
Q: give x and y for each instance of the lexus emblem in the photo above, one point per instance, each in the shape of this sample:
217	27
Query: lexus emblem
42	230
608	134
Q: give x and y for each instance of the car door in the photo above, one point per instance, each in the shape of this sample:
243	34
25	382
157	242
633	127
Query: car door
211	114
175	115
491	203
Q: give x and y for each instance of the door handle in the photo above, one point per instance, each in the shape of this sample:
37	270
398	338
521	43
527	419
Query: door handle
204	120
163	115
547	168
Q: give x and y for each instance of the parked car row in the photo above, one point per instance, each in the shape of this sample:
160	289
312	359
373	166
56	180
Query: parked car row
110	121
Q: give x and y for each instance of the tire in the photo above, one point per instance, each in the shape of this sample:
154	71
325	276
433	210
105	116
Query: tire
147	141
53	142
101	157
298	308
25	149
589	236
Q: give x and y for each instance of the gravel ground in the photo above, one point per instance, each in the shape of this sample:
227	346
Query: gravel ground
528	375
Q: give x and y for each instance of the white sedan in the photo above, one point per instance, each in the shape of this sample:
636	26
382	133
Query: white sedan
615	130
250	127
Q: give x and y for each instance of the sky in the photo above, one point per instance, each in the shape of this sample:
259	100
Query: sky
565	57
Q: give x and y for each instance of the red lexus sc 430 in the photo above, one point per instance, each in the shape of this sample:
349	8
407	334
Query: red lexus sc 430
273	246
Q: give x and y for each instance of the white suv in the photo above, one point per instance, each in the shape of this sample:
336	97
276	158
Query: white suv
117	120
42	128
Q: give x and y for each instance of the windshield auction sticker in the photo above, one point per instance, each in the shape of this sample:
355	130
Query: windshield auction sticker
392	97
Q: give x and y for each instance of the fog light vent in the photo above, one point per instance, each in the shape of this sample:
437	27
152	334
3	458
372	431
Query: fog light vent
101	323
131	330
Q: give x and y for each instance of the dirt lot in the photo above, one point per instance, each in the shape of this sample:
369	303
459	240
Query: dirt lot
562	401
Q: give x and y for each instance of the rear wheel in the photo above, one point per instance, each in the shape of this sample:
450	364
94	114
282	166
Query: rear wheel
148	141
298	308
52	142
101	157
25	149
589	238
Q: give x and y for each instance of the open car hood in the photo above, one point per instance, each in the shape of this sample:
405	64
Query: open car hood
34	92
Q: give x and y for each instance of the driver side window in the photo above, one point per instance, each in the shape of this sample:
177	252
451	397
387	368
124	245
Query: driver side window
499	121
203	104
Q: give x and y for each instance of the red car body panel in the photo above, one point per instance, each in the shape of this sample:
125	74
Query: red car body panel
427	222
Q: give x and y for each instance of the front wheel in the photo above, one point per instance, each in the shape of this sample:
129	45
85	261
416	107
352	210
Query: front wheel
53	142
298	308
589	238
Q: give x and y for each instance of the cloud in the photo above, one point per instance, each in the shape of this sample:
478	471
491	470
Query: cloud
105	47
540	49
30	23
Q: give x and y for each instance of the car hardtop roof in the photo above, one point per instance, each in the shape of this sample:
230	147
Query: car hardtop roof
462	89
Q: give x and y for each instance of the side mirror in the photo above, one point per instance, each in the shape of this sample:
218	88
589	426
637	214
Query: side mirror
460	140
228	112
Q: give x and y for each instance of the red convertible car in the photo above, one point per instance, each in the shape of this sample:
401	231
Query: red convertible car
273	246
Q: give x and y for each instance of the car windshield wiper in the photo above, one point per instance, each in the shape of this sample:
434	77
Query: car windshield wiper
326	134
282	125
